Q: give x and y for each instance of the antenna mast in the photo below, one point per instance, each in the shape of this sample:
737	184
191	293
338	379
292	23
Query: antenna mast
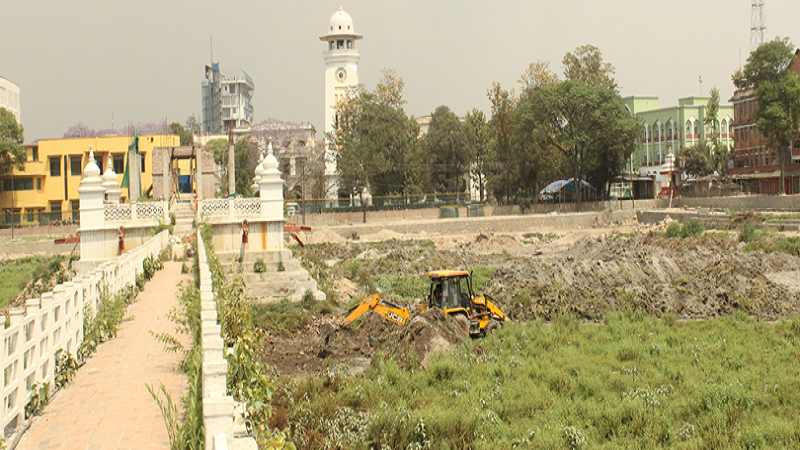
757	24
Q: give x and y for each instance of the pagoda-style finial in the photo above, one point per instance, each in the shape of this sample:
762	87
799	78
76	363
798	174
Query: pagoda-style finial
340	7
91	170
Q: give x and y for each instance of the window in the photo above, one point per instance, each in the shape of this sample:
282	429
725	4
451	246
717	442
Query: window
142	164
75	166
656	132
99	159
55	206
30	215
20	184
697	128
688	127
38	184
119	163
55	167
34	153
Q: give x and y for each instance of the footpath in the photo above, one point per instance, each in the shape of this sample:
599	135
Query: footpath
107	405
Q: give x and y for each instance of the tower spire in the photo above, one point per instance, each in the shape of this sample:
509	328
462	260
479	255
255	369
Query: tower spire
757	24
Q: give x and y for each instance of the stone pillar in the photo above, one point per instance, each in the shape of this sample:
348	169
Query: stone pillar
271	191
92	213
110	184
166	178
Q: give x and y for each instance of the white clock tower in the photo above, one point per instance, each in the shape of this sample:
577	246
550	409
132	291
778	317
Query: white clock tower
341	72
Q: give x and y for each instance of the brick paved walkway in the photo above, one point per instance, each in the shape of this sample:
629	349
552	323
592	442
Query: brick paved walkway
107	405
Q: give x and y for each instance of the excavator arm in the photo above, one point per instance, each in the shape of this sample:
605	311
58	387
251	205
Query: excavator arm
390	311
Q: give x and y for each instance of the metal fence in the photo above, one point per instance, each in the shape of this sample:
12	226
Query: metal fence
36	219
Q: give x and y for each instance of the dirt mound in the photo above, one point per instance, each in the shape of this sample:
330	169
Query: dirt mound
491	244
691	278
322	236
383	235
743	218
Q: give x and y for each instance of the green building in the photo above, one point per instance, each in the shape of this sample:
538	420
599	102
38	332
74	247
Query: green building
666	130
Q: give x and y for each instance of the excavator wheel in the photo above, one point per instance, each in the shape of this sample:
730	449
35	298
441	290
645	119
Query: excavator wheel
492	327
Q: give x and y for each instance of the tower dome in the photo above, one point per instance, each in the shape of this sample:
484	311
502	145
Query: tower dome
340	25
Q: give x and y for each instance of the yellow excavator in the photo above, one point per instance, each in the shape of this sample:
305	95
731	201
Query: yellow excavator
450	290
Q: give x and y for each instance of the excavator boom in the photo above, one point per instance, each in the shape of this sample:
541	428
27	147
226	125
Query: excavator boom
390	311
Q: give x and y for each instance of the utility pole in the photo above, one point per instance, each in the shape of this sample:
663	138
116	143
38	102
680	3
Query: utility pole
231	161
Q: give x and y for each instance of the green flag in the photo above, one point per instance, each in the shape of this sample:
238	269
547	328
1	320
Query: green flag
133	150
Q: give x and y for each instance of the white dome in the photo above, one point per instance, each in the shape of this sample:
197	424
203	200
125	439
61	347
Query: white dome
341	22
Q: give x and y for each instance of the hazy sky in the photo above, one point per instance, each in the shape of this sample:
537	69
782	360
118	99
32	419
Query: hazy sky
82	60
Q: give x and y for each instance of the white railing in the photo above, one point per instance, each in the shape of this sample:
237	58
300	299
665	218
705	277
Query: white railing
130	212
218	407
35	333
234	208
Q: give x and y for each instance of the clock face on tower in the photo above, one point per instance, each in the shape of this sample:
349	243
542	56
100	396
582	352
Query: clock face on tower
341	74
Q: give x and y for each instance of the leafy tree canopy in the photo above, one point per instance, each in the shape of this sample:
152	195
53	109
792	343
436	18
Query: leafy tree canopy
586	64
11	140
450	146
186	136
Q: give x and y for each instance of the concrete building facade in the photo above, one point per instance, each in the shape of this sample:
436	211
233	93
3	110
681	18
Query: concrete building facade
668	130
10	98
227	99
47	189
755	167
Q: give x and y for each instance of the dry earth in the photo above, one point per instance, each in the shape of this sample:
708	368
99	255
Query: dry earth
587	271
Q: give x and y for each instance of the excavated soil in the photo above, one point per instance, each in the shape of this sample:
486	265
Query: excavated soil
541	273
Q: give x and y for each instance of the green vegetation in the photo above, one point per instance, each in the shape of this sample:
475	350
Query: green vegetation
790	245
32	272
692	228
259	266
287	317
635	382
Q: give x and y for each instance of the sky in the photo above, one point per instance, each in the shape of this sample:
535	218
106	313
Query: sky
143	61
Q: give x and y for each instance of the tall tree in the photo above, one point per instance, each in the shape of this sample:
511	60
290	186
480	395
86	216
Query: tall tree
389	90
717	151
500	176
12	136
193	125
450	148
537	75
586	64
589	125
185	135
777	93
480	131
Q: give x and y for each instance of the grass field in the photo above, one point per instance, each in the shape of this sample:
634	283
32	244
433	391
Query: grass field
16	274
633	382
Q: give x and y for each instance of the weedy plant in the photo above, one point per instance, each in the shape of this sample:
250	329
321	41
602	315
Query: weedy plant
40	397
259	266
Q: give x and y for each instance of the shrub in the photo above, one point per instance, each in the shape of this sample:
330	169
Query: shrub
259	266
673	230
748	232
281	267
692	228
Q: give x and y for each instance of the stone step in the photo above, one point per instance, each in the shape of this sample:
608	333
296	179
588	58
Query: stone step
276	277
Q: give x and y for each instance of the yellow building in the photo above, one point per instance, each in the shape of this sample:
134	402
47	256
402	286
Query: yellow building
47	189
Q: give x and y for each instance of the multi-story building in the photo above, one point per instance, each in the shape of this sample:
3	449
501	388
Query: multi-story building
227	100
668	130
9	98
46	190
755	166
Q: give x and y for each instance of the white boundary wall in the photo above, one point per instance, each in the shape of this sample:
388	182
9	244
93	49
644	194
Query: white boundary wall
55	321
218	407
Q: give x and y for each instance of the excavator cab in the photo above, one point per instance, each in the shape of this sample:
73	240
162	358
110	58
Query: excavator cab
451	290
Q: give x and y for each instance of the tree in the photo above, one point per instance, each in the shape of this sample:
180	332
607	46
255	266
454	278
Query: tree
718	152
500	177
12	136
193	125
186	136
480	131
389	90
537	75
450	149
587	65
698	160
589	125
777	93
219	148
